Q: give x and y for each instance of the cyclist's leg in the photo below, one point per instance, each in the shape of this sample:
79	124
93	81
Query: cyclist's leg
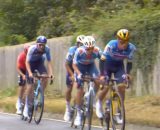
94	73
120	82
28	91
79	95
21	89
103	91
69	85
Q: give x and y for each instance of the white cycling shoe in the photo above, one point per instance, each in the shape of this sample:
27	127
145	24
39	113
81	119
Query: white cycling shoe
117	119
67	115
78	120
99	110
25	112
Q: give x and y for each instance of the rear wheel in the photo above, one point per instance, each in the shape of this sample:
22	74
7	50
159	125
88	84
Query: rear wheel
83	117
38	105
90	109
73	116
107	119
117	112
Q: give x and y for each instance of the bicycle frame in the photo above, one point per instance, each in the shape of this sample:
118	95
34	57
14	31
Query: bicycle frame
116	105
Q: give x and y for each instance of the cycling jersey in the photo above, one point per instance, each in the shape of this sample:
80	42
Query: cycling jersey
114	60
21	61
83	58
113	53
86	63
34	55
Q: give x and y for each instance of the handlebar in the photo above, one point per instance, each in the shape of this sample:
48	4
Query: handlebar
37	75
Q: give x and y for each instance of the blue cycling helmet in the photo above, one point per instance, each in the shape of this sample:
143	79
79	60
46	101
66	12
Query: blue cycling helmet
41	39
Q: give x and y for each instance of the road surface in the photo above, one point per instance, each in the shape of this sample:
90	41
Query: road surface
13	122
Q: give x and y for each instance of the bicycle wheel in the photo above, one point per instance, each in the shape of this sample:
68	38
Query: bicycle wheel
30	113
90	109
83	117
117	112
38	104
73	116
106	119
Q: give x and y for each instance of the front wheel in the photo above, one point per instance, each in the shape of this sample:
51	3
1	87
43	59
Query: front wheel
117	112
90	109
38	104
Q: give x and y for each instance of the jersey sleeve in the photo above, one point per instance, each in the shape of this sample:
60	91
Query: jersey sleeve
29	54
131	54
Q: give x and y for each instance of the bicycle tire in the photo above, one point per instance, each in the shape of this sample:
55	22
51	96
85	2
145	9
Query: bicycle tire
90	109
38	105
73	116
30	113
83	117
117	106
107	119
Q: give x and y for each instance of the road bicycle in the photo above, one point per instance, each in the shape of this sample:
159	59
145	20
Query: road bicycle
114	115
36	106
87	105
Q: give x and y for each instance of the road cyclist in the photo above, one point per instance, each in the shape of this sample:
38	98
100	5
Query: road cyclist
21	69
84	62
112	62
70	75
36	56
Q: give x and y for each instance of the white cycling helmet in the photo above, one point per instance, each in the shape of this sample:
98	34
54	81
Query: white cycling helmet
80	38
89	42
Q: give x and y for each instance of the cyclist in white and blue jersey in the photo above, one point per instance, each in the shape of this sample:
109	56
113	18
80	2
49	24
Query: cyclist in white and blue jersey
84	62
35	59
112	62
70	75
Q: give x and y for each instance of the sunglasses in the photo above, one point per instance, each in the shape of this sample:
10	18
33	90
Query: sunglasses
42	45
89	49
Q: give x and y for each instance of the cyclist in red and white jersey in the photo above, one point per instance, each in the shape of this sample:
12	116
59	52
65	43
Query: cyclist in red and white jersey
21	69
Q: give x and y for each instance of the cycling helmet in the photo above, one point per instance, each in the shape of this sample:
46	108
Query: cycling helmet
41	39
89	42
25	48
123	34
80	38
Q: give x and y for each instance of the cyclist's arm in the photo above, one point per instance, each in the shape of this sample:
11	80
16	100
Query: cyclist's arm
76	69
28	68
68	68
75	62
50	71
18	66
49	65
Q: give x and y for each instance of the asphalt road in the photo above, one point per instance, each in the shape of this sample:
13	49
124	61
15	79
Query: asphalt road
13	122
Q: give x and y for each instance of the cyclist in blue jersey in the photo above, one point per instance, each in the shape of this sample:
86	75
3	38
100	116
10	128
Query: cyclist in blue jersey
70	75
35	61
84	62
112	62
